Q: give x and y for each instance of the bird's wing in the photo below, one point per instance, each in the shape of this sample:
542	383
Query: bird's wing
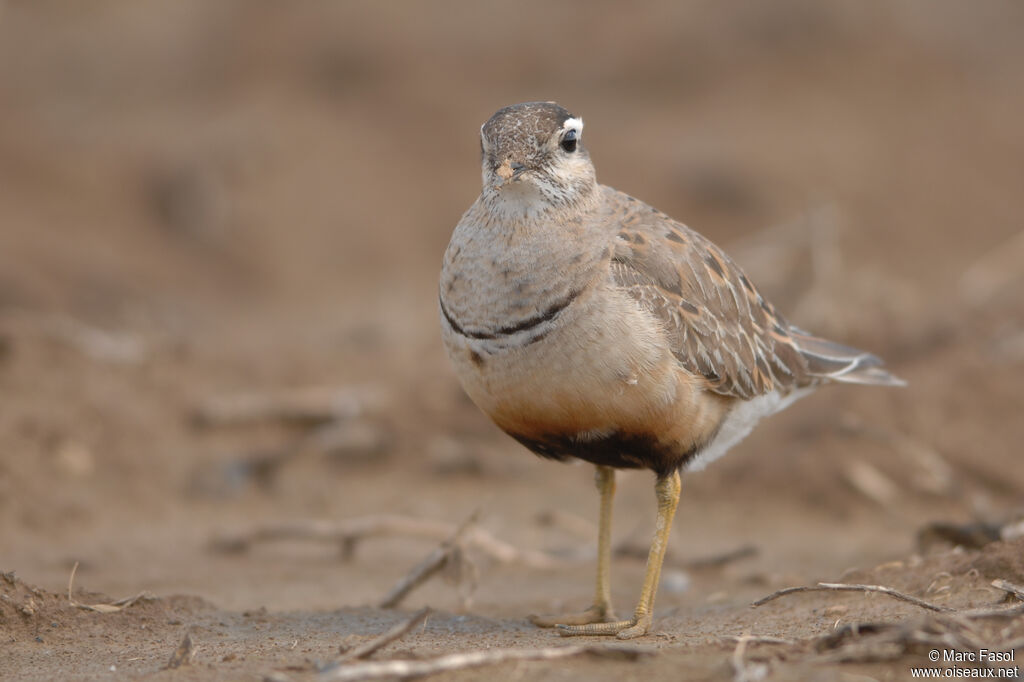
719	326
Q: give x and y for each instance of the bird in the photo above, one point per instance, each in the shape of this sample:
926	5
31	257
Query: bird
589	325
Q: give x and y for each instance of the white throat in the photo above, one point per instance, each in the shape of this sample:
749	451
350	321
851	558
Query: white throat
518	200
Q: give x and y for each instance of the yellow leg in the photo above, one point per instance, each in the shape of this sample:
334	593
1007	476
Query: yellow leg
667	491
601	611
605	479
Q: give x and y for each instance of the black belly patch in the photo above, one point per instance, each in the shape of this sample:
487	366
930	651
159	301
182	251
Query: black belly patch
618	450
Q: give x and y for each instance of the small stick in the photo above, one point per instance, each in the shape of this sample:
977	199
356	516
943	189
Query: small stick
782	593
373	670
428	567
741	671
1006	586
112	607
889	641
842	587
895	594
71	581
396	632
738	668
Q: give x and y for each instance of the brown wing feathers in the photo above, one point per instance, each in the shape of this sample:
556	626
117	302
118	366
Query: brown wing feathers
718	324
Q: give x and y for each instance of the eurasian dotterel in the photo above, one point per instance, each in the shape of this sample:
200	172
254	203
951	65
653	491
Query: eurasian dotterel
590	325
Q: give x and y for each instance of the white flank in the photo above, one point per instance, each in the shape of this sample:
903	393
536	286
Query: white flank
741	421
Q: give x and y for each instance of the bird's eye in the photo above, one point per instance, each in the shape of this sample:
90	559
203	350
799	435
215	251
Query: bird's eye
569	141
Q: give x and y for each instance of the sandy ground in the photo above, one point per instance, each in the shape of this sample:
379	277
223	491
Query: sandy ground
201	201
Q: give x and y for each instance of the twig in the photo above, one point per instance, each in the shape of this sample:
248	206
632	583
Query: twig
782	593
348	533
889	641
1006	586
887	591
373	670
741	671
112	607
396	632
842	587
428	567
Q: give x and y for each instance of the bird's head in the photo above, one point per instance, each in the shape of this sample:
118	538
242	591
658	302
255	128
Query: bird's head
534	159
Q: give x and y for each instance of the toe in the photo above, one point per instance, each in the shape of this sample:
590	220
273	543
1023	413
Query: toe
638	630
593	629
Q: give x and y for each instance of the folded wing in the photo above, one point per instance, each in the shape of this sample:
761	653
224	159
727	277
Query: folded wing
718	324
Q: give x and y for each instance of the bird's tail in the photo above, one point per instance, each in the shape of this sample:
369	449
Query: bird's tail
836	362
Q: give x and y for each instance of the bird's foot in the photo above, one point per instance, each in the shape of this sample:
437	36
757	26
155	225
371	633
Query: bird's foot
597	614
637	626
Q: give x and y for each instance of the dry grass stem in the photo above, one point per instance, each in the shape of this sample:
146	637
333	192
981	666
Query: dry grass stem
375	670
1011	588
394	633
742	671
842	587
110	607
433	563
879	642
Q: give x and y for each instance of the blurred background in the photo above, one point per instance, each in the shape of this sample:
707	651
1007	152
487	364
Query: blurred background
220	233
